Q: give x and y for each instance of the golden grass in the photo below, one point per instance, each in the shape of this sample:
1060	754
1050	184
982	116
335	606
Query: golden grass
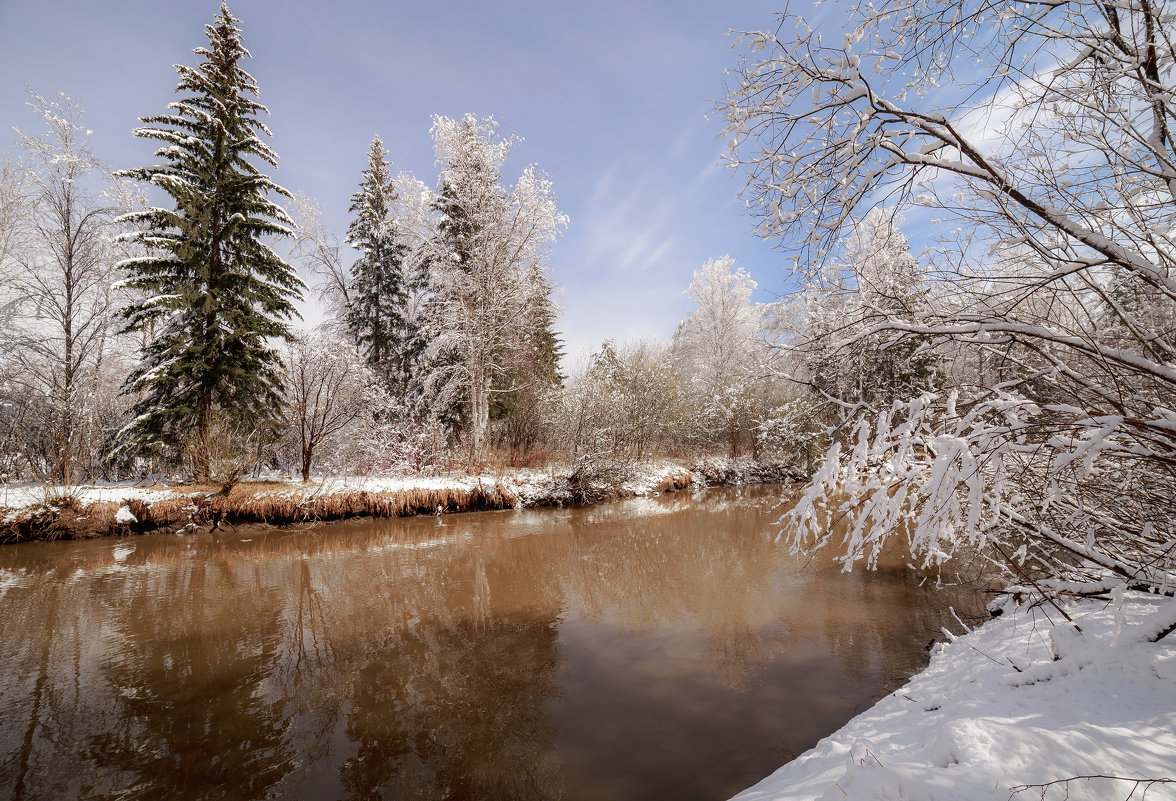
296	508
249	504
677	480
277	503
166	512
67	522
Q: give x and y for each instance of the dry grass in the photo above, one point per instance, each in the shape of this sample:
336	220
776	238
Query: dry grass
677	480
248	503
167	512
71	520
294	508
276	503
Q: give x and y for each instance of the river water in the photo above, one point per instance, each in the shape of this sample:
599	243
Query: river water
662	648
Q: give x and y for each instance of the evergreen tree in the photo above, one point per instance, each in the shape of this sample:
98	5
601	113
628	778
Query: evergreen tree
418	327
376	313
523	392
215	293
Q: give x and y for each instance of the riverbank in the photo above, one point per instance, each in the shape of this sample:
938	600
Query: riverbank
36	512
995	716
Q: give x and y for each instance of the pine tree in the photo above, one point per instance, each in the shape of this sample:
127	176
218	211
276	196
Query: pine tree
376	313
418	327
522	393
876	279
216	294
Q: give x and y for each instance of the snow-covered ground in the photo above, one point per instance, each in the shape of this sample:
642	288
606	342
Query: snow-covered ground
994	717
24	495
530	486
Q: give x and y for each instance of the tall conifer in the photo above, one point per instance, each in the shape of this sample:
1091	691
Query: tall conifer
376	313
215	295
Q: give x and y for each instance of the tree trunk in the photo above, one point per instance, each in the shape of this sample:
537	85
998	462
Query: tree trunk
307	457
479	412
202	452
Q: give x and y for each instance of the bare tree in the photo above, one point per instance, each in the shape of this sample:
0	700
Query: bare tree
722	352
61	283
1045	133
318	253
13	210
329	390
13	206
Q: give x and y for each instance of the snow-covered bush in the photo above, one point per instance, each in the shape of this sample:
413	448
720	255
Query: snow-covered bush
626	403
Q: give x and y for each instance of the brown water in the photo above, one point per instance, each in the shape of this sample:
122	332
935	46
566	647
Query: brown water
652	649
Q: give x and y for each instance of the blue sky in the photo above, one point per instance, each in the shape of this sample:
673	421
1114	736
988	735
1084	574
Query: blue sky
611	99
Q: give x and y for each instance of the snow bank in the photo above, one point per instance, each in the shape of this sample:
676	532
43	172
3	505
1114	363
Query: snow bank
994	717
33	512
530	486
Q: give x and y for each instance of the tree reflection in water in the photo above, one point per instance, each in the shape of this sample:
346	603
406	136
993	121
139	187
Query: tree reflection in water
654	648
469	720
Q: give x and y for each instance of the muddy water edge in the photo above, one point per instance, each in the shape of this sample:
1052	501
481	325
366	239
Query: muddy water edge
661	648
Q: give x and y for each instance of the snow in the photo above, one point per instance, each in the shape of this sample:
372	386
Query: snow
331	485
531	487
994	717
25	495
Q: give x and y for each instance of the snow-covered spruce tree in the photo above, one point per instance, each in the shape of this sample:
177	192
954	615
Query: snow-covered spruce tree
850	367
1046	134
216	295
525	395
491	299
378	295
414	221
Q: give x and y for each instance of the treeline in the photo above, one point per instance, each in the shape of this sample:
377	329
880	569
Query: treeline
148	313
145	337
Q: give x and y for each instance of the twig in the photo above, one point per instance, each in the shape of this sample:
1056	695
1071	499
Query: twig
1135	784
1036	586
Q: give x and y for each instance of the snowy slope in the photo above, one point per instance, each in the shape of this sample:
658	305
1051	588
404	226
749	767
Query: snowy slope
972	727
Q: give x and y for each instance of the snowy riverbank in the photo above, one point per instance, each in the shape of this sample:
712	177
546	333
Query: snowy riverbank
37	512
994	717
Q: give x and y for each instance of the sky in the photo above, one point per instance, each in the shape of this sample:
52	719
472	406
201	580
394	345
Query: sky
614	100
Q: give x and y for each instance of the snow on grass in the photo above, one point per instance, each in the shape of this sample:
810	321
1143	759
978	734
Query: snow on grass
530	486
26	495
994	718
339	485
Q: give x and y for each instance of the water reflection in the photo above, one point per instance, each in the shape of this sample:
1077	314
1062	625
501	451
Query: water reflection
185	670
660	648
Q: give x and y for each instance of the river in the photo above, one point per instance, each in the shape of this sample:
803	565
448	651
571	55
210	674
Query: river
660	648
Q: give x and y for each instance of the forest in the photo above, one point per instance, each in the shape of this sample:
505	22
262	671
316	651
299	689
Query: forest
149	340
